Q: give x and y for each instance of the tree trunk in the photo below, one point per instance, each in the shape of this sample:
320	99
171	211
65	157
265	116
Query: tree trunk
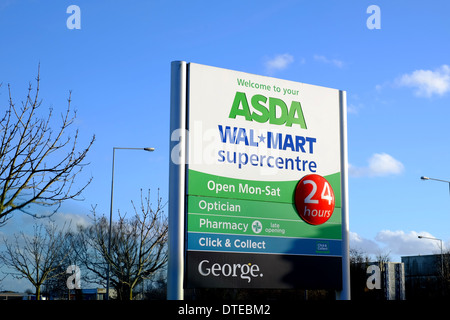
38	292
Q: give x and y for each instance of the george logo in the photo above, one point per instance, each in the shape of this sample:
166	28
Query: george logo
246	271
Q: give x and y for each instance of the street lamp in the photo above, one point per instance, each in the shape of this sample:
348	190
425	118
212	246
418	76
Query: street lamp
442	255
111	210
440	180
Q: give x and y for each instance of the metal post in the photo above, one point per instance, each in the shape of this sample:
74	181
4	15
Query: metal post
442	253
440	180
177	180
110	226
344	294
442	260
108	275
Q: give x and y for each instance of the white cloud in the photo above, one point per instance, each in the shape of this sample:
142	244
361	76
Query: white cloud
335	62
427	82
402	243
396	243
354	104
71	220
353	109
379	164
365	245
279	62
24	223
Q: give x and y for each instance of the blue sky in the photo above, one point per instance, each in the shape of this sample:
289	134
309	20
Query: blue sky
117	65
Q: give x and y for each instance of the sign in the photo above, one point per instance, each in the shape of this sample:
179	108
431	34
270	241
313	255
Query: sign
263	182
314	199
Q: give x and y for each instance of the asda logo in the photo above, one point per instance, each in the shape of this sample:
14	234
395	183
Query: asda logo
246	271
262	109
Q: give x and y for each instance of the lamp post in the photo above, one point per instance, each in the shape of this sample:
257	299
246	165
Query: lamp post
111	211
421	237
442	255
440	180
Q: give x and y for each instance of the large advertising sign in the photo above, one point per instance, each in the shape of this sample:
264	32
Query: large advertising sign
263	182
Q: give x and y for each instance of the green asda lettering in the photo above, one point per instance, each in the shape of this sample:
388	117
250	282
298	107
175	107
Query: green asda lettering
266	109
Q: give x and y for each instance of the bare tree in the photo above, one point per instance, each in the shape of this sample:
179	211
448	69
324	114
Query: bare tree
63	276
383	256
38	165
358	256
138	247
37	257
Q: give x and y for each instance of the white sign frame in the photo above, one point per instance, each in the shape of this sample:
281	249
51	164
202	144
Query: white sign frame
177	179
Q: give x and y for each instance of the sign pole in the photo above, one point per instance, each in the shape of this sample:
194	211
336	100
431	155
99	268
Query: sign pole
344	294
177	174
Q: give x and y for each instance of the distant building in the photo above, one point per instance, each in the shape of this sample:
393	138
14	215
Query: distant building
384	282
9	295
426	277
88	294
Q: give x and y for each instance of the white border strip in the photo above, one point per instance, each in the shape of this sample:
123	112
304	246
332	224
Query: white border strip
177	174
344	294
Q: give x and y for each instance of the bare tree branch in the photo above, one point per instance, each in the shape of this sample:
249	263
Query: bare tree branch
36	257
38	165
138	246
